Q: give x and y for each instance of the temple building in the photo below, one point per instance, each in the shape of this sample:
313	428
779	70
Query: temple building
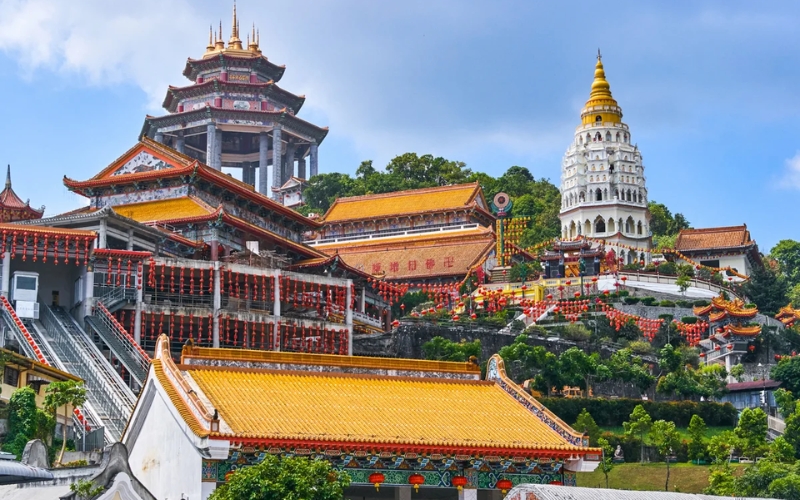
603	192
12	208
421	235
726	248
234	115
391	424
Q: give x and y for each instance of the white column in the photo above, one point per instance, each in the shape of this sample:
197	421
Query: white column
276	159
137	320
276	311
218	150
468	494
348	316
363	300
211	139
402	493
88	292
130	239
6	274
263	161
217	306
101	233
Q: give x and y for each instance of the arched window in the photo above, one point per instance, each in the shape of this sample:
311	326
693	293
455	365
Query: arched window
598	118
611	226
598	137
599	226
626	137
639	227
591	178
598	195
629	195
581	139
617	139
616	194
605	191
640	196
582	197
629	225
608	136
587	227
588	138
572	229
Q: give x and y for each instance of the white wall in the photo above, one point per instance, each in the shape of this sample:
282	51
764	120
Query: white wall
163	458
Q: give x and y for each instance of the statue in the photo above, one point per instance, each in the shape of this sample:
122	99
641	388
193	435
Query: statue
619	456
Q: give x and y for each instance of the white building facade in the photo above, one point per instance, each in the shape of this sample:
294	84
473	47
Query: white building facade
603	190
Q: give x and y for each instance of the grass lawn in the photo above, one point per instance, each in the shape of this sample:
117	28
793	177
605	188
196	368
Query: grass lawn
687	478
683	431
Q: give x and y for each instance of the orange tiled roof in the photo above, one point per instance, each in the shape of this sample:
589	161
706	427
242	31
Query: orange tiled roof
164	210
420	258
28	228
713	238
403	202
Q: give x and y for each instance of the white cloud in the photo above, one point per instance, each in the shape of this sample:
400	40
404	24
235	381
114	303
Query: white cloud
791	175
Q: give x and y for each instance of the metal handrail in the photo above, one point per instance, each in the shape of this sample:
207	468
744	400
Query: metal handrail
107	392
138	354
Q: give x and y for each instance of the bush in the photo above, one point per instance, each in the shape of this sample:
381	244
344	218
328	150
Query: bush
624	293
575	331
517	325
536	331
649	301
684	303
668	268
666	317
640	347
666	303
613	412
631	300
700	303
689	320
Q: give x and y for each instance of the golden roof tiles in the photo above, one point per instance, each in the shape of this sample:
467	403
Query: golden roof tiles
164	210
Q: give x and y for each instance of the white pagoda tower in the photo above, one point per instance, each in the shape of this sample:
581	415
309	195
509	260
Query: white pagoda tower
603	192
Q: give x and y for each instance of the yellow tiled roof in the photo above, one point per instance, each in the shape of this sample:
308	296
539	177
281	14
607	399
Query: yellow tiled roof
371	409
160	210
402	202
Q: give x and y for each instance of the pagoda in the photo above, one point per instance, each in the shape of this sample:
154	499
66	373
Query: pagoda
234	115
12	208
603	192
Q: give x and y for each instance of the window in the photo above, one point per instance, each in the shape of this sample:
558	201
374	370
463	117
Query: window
26	283
11	376
710	263
600	226
598	118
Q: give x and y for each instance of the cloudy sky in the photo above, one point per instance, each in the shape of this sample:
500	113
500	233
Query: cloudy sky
708	88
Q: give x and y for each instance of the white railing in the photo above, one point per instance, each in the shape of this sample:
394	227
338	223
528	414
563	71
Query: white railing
412	231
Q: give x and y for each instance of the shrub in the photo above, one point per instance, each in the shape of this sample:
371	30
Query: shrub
689	320
613	412
649	301
666	317
517	325
640	347
624	293
536	331
631	300
668	268
666	303
700	303
684	303
576	332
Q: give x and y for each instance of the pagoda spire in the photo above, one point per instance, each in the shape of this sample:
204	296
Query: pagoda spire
219	44
210	46
235	42
8	177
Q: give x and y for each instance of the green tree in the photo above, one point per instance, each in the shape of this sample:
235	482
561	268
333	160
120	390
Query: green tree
787	371
627	367
785	401
697	433
781	451
85	489
722	446
767	289
756	479
586	424
525	361
752	430
794	296
441	349
737	372
607	463
323	189
62	395
638	425
662	222
787	487
792	431
665	438
580	368
22	420
277	478
721	481
683	282
787	254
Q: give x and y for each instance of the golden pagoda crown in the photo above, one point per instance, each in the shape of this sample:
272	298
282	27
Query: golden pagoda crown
216	44
601	103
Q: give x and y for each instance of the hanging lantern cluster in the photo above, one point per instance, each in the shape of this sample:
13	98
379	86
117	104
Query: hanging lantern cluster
326	299
249	287
692	332
46	244
198	328
313	338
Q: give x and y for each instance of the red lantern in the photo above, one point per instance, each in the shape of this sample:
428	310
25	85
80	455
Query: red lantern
459	482
376	478
504	485
416	480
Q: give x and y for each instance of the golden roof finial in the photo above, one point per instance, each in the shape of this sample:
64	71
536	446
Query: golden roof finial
600	87
210	46
219	44
235	42
252	45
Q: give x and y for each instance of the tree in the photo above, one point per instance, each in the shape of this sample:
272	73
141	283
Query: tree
794	296
737	372
787	487
64	394
323	189
662	222
665	438
697	443
722	446
21	420
586	424
720	480
441	349
683	282
767	289
627	367
785	401
752	430
277	478
781	451
579	368
787	371
639	424
787	254
792	431
85	489
607	463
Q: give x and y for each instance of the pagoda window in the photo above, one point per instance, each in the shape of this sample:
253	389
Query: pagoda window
591	178
629	225
629	195
581	140
588	138
611	225
599	226
617	138
626	138
598	119
616	194
582	197
608	136
598	137
587	227
639	228
571	229
605	191
598	195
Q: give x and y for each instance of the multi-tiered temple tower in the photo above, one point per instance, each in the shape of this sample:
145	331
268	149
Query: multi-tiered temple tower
603	192
235	115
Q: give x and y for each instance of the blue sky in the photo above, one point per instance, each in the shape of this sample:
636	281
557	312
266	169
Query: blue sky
708	88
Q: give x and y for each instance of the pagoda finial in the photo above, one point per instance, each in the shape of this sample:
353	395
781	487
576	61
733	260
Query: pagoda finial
210	46
8	177
219	43
235	42
599	56
235	30
252	44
